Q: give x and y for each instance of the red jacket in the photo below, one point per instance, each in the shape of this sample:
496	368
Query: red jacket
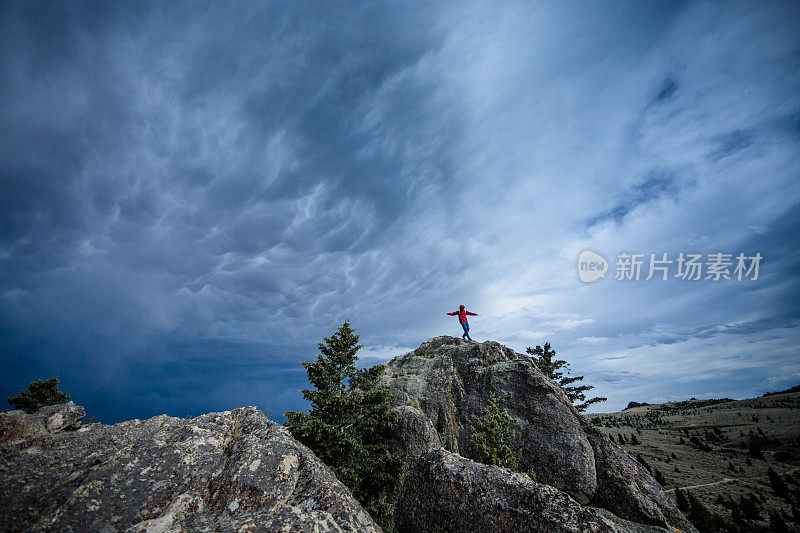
462	314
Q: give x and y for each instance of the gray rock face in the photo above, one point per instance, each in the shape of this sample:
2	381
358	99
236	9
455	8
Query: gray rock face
446	492
443	386
450	382
231	471
50	419
624	486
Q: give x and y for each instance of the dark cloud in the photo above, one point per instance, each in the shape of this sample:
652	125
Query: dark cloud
657	184
731	143
184	169
770	323
667	89
615	377
193	193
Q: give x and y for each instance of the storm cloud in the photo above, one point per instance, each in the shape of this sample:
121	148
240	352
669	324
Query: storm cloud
193	193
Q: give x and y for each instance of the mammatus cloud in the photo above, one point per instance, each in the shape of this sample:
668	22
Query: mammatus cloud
194	194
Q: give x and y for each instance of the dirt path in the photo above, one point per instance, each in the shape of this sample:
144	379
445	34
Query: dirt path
729	480
720	482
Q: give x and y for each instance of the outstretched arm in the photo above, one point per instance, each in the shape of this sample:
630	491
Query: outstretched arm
473	314
454	313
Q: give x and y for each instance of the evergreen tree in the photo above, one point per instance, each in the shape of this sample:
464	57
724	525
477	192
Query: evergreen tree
659	477
645	464
493	437
681	501
777	483
777	523
750	507
39	394
556	370
700	516
350	423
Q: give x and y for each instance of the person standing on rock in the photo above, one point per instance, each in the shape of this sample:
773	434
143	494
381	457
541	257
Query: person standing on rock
462	317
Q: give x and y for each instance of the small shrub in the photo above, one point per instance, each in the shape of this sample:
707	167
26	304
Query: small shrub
39	394
492	439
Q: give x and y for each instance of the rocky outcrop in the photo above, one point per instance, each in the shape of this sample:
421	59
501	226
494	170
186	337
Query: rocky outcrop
230	471
443	387
50	419
624	486
239	471
446	492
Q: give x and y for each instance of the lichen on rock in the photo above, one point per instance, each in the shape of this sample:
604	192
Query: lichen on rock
229	471
444	386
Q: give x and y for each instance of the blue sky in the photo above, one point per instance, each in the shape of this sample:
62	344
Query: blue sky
194	194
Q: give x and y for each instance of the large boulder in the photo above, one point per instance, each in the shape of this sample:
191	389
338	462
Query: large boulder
625	486
229	471
444	386
446	492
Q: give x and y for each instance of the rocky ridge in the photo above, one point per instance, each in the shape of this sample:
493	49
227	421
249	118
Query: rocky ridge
240	471
229	471
443	387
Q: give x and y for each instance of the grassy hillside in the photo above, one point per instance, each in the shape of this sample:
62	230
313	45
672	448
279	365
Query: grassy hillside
731	465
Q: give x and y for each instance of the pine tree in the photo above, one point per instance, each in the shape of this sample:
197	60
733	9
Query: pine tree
39	394
777	523
543	358
350	423
681	501
492	438
777	483
645	464
700	516
750	507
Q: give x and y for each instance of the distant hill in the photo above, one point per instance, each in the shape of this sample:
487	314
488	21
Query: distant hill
739	459
796	388
631	405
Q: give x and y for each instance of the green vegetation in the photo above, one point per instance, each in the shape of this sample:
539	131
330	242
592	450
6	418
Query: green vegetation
39	394
796	388
732	466
350	423
543	358
492	437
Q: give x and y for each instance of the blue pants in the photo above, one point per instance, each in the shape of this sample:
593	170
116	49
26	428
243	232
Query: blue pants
465	325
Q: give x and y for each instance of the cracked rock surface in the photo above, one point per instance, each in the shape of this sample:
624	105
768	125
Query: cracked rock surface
444	386
467	496
229	471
